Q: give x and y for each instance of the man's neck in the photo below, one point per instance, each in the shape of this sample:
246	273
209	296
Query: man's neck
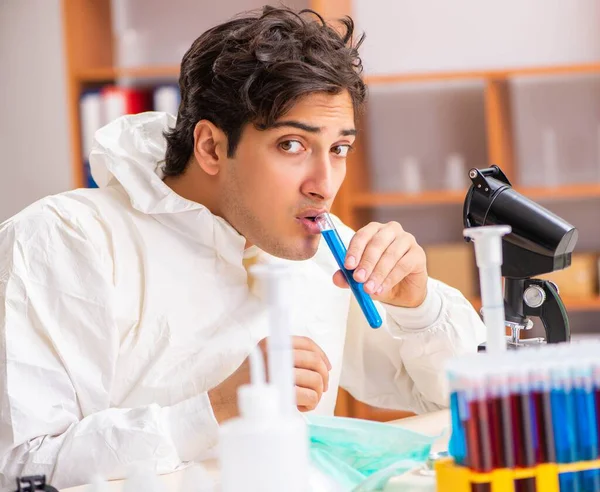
191	186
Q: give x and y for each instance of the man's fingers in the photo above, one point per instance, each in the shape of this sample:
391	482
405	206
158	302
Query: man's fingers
306	378
358	244
390	258
375	249
304	359
339	280
306	399
407	264
305	343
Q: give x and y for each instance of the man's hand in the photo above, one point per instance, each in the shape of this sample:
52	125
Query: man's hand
389	262
311	372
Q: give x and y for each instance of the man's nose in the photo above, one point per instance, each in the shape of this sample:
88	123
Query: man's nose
319	183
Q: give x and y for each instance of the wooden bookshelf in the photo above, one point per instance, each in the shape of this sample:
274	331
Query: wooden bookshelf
495	74
94	75
169	71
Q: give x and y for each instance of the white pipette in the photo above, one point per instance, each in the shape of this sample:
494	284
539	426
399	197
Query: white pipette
488	255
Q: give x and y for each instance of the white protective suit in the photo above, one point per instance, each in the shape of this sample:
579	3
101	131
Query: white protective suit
121	307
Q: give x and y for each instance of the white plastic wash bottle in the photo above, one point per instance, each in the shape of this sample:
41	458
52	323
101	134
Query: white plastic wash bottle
265	449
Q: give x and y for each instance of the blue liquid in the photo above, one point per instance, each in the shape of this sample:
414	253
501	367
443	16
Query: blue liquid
564	436
457	447
364	300
587	436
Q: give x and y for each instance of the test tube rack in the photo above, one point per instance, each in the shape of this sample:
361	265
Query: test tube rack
451	477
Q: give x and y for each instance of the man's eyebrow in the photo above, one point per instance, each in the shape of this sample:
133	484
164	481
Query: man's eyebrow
307	128
296	124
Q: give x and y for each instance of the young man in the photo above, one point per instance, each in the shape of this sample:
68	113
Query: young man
126	313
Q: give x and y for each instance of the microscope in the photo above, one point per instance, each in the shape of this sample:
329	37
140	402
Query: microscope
540	242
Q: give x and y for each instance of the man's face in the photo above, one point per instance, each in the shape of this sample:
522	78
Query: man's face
282	177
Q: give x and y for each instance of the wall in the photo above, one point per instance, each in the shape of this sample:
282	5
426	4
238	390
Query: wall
34	144
438	35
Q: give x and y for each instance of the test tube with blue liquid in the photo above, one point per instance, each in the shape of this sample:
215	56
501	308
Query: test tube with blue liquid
596	386
563	418
586	422
459	411
334	241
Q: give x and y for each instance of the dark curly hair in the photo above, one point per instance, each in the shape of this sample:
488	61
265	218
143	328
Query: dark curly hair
252	69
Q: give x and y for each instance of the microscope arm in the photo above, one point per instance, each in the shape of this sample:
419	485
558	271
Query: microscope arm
551	312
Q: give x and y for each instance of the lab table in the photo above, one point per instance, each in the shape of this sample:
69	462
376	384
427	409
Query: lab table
434	423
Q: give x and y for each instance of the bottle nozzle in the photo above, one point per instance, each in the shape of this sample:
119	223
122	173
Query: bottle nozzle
257	367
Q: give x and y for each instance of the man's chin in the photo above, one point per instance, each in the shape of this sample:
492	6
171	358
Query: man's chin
301	255
299	251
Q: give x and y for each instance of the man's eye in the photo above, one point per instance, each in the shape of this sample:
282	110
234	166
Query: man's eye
341	150
291	146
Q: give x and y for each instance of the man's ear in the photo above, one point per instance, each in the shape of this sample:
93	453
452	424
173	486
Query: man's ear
210	147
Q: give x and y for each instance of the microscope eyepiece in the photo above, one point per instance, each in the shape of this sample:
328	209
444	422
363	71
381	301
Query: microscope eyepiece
540	241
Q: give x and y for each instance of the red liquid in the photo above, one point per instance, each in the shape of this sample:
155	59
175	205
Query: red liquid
545	450
485	433
517	429
473	442
507	425
523	446
496	427
528	430
474	445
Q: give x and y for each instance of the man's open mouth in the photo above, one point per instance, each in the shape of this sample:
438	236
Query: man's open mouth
308	221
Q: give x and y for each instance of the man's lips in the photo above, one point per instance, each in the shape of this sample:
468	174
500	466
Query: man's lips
307	220
311	213
309	225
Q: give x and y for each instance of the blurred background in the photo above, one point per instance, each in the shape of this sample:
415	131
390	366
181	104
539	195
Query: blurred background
453	85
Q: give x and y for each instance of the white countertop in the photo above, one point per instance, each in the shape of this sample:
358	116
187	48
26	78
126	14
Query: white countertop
434	423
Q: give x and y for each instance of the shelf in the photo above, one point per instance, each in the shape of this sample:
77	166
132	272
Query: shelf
443	197
566	192
170	71
369	199
582	303
571	303
484	74
108	73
